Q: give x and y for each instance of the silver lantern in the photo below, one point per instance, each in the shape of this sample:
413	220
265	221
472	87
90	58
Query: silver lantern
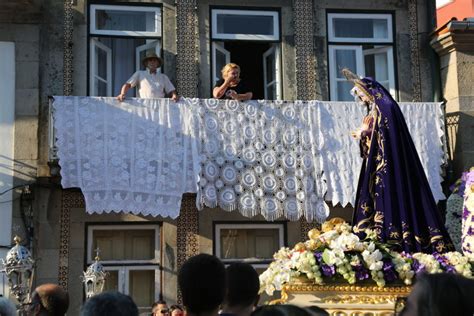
18	267
94	278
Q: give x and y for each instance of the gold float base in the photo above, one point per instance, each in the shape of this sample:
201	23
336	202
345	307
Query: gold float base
343	299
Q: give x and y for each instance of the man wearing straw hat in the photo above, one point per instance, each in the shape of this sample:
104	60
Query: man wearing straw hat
151	83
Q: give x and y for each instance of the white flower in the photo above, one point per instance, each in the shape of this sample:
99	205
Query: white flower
372	258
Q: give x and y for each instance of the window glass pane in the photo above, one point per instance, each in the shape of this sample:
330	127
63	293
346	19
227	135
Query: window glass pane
376	66
125	244
344	91
245	24
111	281
249	243
220	63
100	88
345	59
270	65
101	67
118	20
360	28
123	60
142	287
271	92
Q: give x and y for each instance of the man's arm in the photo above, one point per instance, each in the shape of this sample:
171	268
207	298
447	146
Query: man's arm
174	95
123	91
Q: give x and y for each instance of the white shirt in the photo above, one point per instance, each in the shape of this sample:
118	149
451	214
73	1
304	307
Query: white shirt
151	86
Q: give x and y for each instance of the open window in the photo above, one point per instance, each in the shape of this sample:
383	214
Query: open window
119	37
251	39
364	44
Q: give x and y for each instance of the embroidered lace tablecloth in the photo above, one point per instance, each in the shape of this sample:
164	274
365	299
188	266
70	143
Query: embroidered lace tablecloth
133	156
258	157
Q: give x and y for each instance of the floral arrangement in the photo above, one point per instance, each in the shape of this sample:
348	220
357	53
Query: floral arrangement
454	210
468	215
337	252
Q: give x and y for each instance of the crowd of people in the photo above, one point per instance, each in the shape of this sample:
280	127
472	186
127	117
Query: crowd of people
208	288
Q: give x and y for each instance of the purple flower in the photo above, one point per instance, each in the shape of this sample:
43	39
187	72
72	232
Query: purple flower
389	271
319	256
417	267
444	262
361	272
465	213
328	270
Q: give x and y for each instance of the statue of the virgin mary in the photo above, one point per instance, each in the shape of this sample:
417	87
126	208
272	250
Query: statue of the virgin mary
394	198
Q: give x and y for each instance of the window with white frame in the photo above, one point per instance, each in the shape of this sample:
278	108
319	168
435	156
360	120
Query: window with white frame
250	38
364	44
245	25
130	255
249	242
119	37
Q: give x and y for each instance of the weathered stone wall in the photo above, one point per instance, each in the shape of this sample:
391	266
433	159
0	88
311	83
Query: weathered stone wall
455	49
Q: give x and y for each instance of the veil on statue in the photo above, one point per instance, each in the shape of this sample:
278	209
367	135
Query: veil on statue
394	198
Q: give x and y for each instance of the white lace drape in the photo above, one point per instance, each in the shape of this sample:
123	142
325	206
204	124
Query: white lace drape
134	156
260	157
426	124
333	122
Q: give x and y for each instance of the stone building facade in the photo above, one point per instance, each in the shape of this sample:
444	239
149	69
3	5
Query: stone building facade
87	48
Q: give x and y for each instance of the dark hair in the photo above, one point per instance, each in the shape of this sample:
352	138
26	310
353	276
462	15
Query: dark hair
110	304
52	298
174	307
202	281
281	310
162	302
242	285
441	294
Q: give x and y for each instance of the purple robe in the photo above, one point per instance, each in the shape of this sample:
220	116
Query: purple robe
393	195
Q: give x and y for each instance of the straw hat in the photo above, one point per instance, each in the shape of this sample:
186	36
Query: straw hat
151	55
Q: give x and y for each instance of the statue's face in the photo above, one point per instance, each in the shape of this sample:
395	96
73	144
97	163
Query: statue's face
360	97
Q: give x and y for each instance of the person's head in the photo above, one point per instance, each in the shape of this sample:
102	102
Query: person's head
440	294
202	283
49	299
7	308
231	70
152	61
176	310
110	304
242	286
160	308
281	310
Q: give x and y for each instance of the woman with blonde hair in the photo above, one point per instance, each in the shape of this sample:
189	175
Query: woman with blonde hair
231	86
